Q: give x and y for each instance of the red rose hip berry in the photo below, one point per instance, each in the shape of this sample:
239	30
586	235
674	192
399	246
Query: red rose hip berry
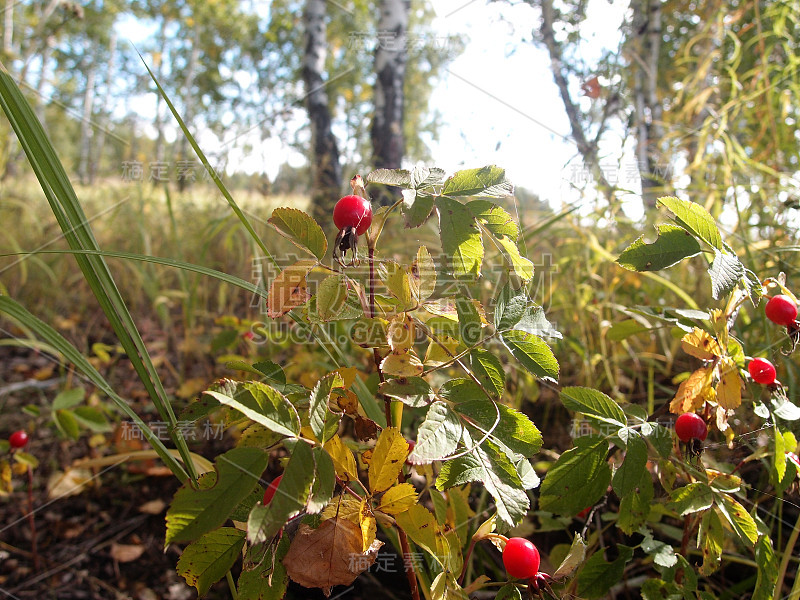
521	558
781	310
18	439
690	426
270	491
353	211
762	371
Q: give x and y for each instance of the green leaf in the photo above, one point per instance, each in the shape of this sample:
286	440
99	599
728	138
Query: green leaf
68	398
510	306
593	403
331	296
726	271
741	521
394	177
598	576
461	390
767	569
514	429
523	267
489	370
426	177
195	512
533	353
207	560
710	538
301	229
324	481
411	391
663	554
92	418
67	423
242	510
527	474
695	219
289	499
461	238
323	422
487	182
398	283
271	371
259	570
264	405
424	271
494	218
579	478
417	207
437	436
489	465
622	330
634	508
420	525
660	437
509	592
672	246
691	498
626	479
469	320
779	455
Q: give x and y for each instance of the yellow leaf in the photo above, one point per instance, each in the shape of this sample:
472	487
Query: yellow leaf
423	274
289	289
437	355
368	525
398	499
401	333
690	395
387	461
700	344
420	525
344	507
729	388
343	460
348	375
402	365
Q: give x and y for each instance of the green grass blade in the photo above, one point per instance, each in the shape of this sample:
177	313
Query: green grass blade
60	344
74	225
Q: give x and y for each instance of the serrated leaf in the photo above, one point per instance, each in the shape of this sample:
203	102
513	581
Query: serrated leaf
425	177
398	282
195	512
289	289
420	525
741	521
423	273
411	391
289	499
417	207
461	390
264	405
767	569
691	498
301	229
627	477
710	538
490	466
461	238
726	271
404	364
206	560
445	587
395	177
579	478
663	554
489	370
695	219
594	403
469	320
331	297
513	429
672	246
487	182
691	393
533	353
598	576
729	387
370	332
323	422
437	436
700	344
494	218
324	481
388	457
522	266
783	408
573	559
343	460
264	578
622	330
508	592
398	499
510	306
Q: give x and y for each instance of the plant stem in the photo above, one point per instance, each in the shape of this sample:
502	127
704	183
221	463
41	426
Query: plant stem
232	585
411	573
32	521
787	554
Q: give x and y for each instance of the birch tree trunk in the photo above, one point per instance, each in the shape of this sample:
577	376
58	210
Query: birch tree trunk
185	171
87	126
103	121
325	152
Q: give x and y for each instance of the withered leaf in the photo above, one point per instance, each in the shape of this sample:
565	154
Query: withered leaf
365	429
330	555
